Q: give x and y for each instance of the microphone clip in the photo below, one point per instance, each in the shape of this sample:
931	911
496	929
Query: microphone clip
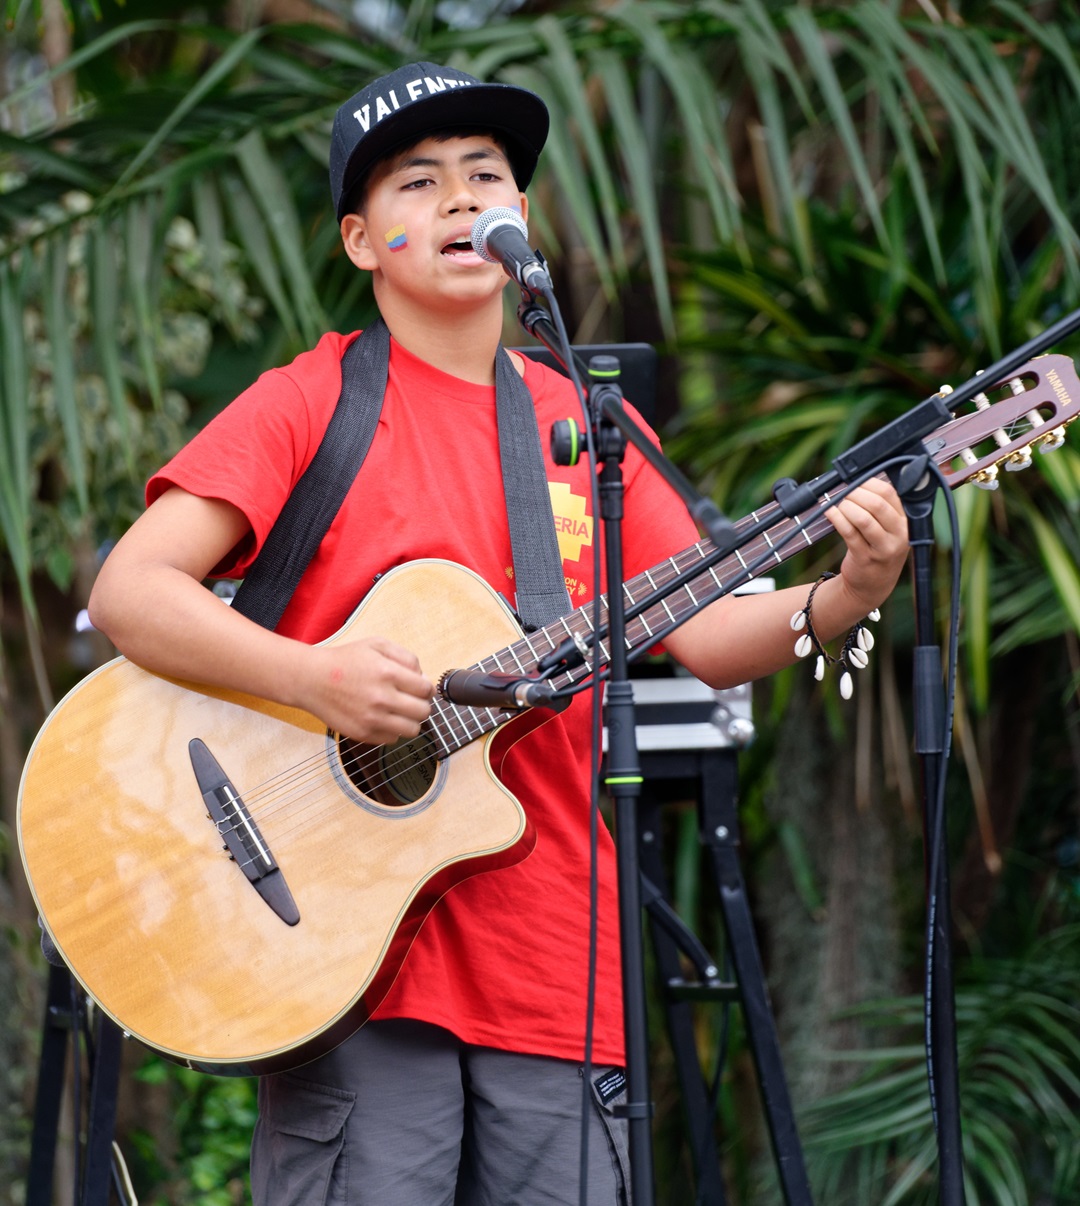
503	692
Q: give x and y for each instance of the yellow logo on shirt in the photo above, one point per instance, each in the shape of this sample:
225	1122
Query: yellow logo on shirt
572	526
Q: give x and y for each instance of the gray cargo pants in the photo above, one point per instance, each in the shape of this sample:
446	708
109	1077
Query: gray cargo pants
405	1114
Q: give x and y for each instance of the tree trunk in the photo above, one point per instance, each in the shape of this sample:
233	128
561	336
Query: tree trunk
826	955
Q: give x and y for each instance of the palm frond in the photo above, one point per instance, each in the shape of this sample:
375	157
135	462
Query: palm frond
861	111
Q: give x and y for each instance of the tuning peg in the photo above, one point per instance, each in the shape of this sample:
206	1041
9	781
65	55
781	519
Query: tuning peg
1020	459
1053	439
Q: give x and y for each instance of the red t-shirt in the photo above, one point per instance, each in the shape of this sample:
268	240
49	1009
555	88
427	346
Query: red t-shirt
502	959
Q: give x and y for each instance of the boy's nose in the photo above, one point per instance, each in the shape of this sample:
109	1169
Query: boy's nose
462	198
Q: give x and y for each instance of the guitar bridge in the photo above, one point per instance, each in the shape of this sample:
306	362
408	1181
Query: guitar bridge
244	842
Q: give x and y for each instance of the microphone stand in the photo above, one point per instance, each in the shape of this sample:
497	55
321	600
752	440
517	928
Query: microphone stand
928	706
623	780
917	488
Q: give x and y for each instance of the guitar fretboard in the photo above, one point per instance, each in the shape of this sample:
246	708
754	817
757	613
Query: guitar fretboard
452	726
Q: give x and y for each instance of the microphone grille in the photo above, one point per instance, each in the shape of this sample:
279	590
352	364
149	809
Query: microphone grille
498	215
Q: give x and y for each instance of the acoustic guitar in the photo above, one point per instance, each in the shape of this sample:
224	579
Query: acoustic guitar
236	887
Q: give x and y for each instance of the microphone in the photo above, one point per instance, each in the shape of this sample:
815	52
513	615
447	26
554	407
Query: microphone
500	236
477	689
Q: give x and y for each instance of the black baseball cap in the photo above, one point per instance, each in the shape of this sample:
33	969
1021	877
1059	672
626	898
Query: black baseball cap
420	99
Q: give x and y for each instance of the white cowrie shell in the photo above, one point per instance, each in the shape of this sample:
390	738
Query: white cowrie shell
798	620
875	615
803	645
847	687
865	639
858	658
819	669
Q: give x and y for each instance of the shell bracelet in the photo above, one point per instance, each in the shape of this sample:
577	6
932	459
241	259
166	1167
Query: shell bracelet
854	654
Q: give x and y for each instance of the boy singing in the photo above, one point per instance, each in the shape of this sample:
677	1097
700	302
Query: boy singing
466	1085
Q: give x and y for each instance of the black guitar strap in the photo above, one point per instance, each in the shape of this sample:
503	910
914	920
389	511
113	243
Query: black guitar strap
317	497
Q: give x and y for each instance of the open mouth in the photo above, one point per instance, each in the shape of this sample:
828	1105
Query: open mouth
459	247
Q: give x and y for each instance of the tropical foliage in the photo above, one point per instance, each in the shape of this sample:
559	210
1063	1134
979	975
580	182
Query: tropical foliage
1018	1055
823	210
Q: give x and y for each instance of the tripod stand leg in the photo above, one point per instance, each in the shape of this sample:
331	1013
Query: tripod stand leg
57	1027
719	833
101	1125
65	1018
697	1106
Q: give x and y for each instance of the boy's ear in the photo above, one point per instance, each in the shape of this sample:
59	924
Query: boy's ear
524	207
354	235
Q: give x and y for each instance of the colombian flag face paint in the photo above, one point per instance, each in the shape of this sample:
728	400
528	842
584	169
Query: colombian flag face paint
395	238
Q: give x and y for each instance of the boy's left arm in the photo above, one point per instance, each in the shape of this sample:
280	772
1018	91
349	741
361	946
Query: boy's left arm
740	638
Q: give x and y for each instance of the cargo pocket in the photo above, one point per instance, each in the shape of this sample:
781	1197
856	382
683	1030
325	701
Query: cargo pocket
609	1091
298	1153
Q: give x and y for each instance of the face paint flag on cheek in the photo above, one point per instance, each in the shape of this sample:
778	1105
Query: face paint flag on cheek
395	238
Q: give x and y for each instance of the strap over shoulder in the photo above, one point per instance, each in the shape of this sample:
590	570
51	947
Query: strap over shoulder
317	497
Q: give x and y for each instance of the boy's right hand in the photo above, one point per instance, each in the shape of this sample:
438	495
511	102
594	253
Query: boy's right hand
371	690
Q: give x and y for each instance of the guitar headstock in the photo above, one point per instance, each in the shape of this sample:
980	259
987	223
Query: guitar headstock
1031	409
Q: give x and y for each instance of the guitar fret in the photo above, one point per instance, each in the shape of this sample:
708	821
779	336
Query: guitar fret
513	653
457	720
437	712
535	656
464	719
543	632
772	549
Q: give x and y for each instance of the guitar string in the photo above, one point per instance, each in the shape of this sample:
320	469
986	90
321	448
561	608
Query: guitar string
767	548
458	726
453	725
661	613
321	763
282	791
314	770
441	728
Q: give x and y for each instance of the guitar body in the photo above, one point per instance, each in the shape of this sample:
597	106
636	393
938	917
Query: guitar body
166	932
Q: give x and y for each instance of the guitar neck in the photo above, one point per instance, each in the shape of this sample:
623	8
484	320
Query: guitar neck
780	538
1033	409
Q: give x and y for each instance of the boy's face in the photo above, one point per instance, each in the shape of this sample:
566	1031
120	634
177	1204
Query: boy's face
414	230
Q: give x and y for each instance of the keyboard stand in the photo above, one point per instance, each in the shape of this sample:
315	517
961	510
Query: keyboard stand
678	743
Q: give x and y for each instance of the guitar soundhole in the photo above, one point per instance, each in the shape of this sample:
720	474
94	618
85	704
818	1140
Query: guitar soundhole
395	776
